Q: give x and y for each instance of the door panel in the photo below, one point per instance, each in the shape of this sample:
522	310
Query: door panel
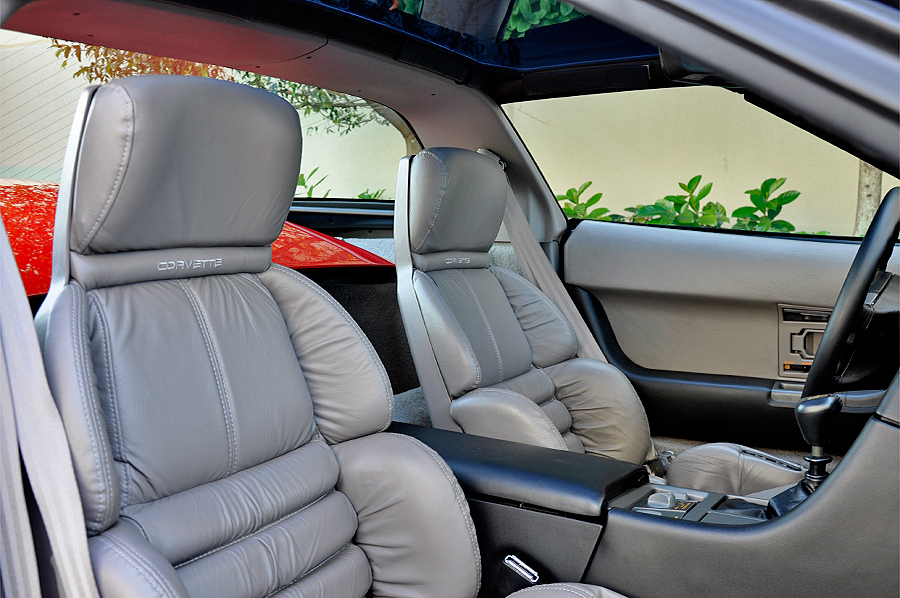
696	301
695	318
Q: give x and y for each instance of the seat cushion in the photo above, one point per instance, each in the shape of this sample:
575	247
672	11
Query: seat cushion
414	522
566	590
731	469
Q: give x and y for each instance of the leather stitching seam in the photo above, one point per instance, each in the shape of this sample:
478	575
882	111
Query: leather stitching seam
462	333
487	326
223	399
126	148
558	586
254	532
85	387
308	573
437	209
457	494
135	559
118	441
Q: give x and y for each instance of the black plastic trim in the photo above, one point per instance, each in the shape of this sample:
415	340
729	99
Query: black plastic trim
575	484
574	222
336	217
708	407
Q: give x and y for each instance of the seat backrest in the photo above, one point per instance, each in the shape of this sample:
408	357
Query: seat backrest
205	390
502	356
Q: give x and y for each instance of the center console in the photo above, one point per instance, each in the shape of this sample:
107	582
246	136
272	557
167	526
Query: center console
540	513
692	505
545	515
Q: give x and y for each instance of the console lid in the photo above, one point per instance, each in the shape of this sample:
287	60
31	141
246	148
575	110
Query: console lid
572	483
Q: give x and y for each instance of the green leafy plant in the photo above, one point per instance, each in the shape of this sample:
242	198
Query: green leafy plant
578	209
98	64
373	195
413	7
305	186
528	14
761	216
683	210
340	113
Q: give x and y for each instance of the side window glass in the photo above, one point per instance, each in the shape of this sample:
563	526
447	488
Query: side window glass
695	157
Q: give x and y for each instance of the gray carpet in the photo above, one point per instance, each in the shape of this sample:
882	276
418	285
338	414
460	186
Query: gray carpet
410	408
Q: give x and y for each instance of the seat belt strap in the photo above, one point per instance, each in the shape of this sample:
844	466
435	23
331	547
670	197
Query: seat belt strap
30	415
538	269
17	560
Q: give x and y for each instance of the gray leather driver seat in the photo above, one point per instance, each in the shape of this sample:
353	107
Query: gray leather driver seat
497	358
225	415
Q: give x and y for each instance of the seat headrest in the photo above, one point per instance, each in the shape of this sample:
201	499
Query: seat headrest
168	162
457	199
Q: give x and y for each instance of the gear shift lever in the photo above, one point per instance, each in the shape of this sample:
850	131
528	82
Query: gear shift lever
816	415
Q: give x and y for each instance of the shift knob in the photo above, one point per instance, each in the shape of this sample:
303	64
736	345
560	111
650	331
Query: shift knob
815	415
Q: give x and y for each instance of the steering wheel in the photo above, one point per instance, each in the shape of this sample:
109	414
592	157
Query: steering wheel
871	259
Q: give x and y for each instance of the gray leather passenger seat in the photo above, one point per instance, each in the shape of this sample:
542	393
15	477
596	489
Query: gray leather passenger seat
225	414
506	358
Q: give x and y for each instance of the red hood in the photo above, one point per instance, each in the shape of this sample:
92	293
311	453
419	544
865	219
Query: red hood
29	208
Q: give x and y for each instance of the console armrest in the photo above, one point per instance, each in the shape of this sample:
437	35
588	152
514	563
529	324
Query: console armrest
563	481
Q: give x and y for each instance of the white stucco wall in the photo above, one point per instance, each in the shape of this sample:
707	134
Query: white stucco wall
637	146
365	158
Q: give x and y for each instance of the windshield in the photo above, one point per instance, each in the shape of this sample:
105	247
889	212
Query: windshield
518	34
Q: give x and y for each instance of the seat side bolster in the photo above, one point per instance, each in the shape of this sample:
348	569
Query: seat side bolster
607	414
506	415
126	565
348	384
71	374
414	522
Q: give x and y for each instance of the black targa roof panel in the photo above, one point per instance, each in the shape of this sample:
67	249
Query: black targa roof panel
518	35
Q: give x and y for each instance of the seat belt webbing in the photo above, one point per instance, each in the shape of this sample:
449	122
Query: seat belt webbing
29	415
538	269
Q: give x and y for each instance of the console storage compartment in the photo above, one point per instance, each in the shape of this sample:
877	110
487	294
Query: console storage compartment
544	507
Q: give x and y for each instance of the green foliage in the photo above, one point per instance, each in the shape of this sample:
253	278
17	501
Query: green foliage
527	14
761	215
373	195
98	64
306	187
340	112
685	210
412	7
682	210
578	209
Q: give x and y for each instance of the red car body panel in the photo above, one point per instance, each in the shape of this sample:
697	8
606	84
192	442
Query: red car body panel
29	209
